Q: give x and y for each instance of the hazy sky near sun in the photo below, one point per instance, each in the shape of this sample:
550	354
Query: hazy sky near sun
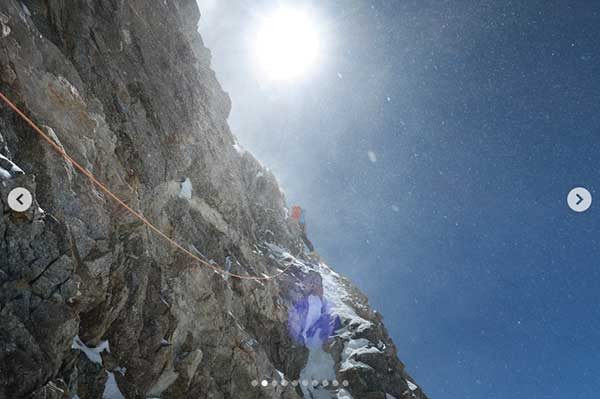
433	145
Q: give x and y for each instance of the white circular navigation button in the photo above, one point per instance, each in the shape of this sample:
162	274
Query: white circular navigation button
20	199
579	199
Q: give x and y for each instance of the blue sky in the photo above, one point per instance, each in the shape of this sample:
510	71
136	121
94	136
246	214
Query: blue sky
480	117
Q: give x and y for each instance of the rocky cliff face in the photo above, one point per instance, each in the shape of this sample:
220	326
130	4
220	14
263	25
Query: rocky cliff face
95	305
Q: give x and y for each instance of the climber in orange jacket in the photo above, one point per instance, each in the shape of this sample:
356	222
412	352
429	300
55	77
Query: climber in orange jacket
298	215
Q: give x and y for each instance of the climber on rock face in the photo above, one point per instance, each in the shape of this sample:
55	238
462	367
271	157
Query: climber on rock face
299	215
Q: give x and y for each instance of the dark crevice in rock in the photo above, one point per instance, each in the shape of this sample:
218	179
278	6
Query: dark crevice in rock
48	266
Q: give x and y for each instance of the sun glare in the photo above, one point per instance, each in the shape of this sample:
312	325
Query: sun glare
287	44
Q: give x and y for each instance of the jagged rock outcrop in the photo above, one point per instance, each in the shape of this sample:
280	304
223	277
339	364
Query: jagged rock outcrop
92	302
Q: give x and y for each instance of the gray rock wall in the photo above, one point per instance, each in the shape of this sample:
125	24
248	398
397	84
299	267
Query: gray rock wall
125	87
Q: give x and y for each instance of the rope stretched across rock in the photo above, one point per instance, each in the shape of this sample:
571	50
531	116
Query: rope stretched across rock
121	203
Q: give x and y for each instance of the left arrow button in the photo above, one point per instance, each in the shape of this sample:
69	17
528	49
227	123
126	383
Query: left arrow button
20	199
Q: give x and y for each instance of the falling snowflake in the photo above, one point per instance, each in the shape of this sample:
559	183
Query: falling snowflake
372	156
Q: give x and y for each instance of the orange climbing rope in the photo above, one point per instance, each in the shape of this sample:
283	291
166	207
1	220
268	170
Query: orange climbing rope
121	203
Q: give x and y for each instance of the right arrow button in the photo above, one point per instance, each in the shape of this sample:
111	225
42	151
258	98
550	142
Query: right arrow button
579	199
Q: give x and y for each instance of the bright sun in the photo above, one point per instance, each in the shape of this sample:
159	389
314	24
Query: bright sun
287	44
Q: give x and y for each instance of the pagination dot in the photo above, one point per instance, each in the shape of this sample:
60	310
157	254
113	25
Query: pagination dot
284	383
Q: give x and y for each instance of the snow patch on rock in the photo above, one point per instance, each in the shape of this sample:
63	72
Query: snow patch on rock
185	190
25	9
353	348
343	394
8	168
4	175
319	366
111	389
5	29
337	296
92	353
239	148
411	386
